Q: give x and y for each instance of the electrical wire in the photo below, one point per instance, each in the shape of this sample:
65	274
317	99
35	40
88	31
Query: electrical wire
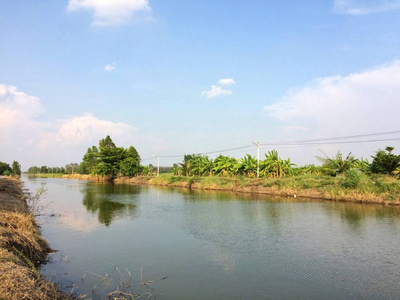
304	143
344	137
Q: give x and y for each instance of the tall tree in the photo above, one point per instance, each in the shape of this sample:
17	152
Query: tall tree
130	165
90	159
16	168
385	163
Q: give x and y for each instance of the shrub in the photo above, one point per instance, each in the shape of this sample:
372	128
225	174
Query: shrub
352	178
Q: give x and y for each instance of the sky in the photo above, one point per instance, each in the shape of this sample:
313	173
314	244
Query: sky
182	77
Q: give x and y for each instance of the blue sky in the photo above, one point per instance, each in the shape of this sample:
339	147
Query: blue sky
180	77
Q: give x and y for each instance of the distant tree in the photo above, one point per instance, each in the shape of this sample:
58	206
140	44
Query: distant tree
16	168
33	170
385	162
338	163
43	169
5	168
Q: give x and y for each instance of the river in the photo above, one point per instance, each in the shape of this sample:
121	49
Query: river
179	244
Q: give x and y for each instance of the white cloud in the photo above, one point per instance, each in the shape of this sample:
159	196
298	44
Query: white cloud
216	91
365	102
29	140
226	81
363	7
110	67
112	12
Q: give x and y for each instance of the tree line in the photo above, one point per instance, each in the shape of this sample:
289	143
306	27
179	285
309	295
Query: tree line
109	160
6	170
384	162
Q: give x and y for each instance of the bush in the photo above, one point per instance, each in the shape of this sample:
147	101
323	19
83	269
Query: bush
352	178
385	162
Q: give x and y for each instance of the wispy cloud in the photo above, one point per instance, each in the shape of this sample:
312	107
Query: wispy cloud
217	91
226	81
110	67
365	102
112	12
363	7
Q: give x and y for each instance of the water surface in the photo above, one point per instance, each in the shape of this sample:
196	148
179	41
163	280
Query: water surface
205	245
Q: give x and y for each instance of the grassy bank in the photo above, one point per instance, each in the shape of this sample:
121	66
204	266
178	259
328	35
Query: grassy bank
361	188
356	187
22	249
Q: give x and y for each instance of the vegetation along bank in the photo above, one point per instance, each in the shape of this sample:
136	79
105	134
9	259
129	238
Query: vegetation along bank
339	178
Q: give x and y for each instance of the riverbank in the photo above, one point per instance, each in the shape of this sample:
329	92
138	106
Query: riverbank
378	189
22	248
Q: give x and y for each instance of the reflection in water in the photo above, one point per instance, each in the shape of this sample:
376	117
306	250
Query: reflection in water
221	245
356	214
109	201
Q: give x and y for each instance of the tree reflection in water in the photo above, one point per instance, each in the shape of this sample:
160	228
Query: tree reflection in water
110	201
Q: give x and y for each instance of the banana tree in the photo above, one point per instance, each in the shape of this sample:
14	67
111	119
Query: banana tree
225	165
248	166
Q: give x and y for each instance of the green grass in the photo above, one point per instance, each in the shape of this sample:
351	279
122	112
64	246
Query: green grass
48	175
352	184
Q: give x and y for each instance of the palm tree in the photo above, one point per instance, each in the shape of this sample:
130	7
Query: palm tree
338	163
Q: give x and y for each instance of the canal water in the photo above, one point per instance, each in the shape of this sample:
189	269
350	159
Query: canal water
169	243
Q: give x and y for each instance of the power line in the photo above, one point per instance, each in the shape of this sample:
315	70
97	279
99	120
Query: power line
331	143
343	137
211	152
314	142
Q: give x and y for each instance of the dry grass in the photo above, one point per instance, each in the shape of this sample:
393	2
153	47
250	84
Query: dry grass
22	249
19	281
19	234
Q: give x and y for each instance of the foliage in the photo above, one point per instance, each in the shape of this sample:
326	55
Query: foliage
4	167
352	178
16	168
147	170
363	165
197	165
385	162
338	164
90	160
110	160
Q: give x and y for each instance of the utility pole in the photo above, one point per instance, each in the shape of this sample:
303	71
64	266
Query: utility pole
258	158
158	165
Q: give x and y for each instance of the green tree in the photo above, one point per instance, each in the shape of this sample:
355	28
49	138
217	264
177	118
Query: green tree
90	159
385	162
248	166
106	143
16	168
338	164
226	166
130	167
112	161
5	168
